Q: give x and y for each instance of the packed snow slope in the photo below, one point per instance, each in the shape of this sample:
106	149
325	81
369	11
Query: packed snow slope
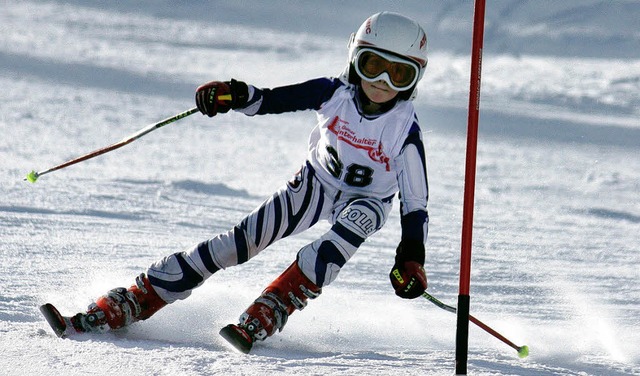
557	211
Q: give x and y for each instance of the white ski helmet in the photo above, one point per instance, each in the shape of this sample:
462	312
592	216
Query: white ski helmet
398	38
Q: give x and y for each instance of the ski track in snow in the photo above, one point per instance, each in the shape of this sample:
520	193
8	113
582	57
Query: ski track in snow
557	216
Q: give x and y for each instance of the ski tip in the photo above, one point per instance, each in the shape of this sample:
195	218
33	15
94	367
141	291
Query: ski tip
55	319
237	337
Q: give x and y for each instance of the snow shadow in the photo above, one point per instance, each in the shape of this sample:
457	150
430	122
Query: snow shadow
92	76
513	125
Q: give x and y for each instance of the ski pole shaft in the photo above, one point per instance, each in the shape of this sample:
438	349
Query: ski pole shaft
523	351
33	175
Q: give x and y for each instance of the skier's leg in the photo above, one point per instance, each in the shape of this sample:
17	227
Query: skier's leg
317	265
322	260
294	208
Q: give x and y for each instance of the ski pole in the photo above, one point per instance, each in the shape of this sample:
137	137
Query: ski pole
33	175
523	351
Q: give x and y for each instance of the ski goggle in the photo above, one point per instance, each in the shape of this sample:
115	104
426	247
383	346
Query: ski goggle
373	65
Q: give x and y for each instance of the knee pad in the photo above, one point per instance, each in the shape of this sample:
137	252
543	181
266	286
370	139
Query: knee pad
363	217
322	260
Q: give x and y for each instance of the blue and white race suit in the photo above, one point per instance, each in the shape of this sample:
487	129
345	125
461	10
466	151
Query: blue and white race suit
355	166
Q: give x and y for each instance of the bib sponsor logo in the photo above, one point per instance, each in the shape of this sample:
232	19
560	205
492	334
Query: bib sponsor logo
341	129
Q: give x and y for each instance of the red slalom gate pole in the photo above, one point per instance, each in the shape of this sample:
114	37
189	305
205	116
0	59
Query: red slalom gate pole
462	328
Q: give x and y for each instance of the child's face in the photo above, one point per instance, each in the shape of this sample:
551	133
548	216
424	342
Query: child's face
378	92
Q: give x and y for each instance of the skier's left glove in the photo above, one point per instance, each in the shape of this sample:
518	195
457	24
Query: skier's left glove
407	275
219	97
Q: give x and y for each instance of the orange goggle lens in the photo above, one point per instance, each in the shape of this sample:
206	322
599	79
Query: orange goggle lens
371	66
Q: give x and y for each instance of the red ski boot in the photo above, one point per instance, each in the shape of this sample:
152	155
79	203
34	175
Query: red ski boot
271	310
119	308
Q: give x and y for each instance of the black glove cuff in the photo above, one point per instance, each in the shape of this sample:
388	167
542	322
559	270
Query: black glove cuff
410	250
239	93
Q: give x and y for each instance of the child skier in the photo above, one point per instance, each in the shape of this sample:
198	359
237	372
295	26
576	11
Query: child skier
367	146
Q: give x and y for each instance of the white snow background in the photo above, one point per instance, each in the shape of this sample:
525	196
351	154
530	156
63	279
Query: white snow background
556	262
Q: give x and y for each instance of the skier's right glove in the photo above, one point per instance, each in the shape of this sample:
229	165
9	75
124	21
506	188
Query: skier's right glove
219	97
407	275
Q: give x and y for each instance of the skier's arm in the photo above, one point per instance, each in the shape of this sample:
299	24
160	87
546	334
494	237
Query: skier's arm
414	188
220	96
302	96
407	275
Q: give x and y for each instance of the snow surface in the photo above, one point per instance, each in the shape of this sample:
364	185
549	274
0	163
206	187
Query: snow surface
557	216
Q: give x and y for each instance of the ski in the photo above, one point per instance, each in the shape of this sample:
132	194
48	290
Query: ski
237	337
58	323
